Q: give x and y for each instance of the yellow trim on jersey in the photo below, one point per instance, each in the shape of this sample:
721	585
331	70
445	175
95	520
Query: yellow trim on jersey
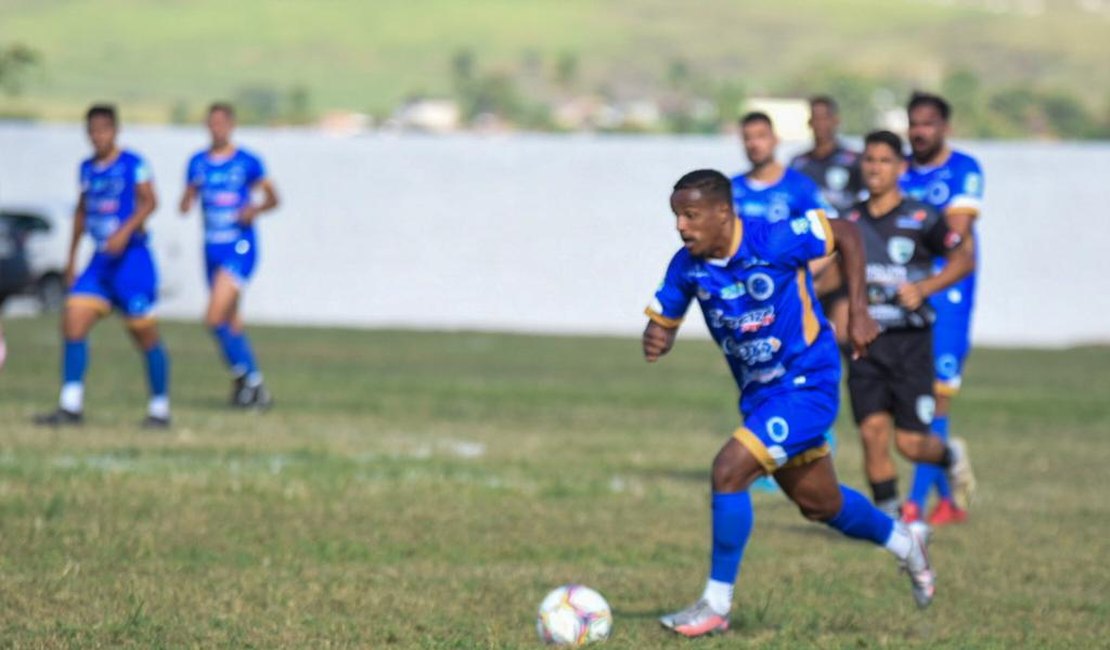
808	456
100	305
945	389
962	210
656	317
830	239
811	327
753	444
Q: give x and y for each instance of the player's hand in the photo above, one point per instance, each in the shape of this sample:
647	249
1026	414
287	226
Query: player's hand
862	331
910	296
186	203
248	214
117	242
657	341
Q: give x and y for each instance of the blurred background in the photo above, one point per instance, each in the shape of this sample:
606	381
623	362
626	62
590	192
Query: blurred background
481	164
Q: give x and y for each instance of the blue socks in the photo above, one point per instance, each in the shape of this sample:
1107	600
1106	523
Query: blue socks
158	370
925	476
858	518
732	525
236	350
75	359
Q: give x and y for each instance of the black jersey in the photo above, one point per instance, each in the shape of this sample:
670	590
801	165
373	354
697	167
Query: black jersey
837	175
900	248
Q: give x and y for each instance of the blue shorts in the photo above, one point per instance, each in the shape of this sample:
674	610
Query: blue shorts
788	429
952	333
237	258
128	282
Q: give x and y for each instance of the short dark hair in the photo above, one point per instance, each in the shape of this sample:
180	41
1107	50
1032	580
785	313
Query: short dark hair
102	110
826	101
710	182
919	98
889	138
756	116
222	107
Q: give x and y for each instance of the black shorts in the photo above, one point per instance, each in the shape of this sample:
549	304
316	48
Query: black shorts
896	377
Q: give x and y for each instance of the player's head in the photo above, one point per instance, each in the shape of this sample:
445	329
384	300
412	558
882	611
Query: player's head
883	162
702	205
101	124
928	115
221	122
759	138
824	118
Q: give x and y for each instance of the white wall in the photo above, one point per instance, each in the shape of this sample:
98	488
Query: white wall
566	233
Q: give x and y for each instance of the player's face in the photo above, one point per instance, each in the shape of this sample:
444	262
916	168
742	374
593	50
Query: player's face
102	134
759	143
823	123
220	125
881	167
927	132
702	222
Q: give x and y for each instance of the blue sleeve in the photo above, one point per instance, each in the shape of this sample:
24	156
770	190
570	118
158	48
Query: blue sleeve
83	178
258	171
192	173
668	306
143	172
967	188
799	240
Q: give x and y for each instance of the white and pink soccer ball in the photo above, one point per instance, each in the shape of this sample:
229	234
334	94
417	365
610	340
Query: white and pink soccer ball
573	615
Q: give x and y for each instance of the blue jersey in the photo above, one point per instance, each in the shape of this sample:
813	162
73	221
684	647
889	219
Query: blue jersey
791	197
955	186
760	305
108	193
224	186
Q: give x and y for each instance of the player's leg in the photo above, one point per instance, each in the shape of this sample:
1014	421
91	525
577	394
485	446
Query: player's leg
229	270
734	469
869	381
813	486
135	288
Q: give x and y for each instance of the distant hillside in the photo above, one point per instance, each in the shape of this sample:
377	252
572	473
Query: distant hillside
169	57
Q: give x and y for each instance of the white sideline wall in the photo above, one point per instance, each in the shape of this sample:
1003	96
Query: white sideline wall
552	233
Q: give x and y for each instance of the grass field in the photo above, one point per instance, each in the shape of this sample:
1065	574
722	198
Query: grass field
370	55
424	490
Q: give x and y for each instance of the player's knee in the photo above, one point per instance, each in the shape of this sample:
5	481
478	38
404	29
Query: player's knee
873	434
728	471
910	444
819	509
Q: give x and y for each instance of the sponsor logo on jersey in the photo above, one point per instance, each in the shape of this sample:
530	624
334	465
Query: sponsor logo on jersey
751	321
908	223
762	375
703	294
732	291
800	226
760	286
836	178
887	274
900	249
777	211
973	184
754	351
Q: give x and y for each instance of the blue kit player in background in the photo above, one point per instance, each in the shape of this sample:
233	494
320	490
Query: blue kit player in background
951	182
751	279
225	177
116	198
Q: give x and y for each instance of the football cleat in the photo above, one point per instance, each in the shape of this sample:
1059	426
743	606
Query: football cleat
910	512
60	418
697	620
960	475
917	567
946	513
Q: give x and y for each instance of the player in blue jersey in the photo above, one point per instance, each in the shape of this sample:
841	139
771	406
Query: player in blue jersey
951	182
752	282
225	177
115	201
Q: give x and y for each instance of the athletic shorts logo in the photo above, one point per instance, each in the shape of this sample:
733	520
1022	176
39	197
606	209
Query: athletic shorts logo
836	178
777	429
760	286
900	249
947	366
926	407
955	296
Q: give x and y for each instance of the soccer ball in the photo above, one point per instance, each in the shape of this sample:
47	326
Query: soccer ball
573	615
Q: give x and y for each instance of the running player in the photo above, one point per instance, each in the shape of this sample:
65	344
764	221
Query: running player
225	176
951	182
892	387
835	169
116	199
751	280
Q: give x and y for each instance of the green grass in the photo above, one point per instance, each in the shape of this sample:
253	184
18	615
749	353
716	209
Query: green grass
370	55
424	490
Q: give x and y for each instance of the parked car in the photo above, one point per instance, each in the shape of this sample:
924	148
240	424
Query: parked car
43	235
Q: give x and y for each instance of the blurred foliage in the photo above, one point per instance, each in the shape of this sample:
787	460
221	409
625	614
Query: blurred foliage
16	62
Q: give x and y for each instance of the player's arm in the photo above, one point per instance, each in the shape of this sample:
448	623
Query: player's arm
658	340
75	238
187	198
959	261
862	329
269	201
145	204
960	220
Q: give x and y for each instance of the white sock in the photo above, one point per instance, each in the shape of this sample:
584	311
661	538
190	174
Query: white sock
719	595
159	407
900	543
72	398
254	379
